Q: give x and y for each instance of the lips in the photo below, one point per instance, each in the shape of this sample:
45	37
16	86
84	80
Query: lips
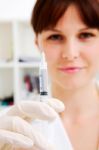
70	69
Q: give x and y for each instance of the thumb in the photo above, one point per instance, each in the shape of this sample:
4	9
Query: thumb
56	104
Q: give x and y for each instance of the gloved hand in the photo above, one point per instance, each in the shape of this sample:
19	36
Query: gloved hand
16	132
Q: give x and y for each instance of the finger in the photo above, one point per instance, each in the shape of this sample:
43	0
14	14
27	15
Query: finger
33	110
33	133
56	104
18	132
15	139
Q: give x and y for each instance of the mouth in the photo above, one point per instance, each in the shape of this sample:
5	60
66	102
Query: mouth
71	69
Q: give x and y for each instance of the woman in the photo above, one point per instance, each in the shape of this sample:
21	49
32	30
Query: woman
67	31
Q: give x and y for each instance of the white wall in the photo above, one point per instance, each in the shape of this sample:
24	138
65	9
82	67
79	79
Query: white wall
16	9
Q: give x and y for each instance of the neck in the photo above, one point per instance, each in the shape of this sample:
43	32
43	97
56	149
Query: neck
78	101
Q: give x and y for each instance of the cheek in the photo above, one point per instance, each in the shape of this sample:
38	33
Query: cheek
52	53
92	54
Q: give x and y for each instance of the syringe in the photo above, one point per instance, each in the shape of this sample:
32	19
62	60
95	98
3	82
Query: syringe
51	130
43	78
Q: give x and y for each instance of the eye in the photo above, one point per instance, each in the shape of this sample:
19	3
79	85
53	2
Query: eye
55	37
86	35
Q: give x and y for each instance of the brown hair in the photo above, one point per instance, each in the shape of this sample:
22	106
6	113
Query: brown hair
46	13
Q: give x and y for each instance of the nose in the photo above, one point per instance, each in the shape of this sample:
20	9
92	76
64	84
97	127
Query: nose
70	50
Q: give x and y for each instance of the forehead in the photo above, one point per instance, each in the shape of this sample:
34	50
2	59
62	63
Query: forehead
71	19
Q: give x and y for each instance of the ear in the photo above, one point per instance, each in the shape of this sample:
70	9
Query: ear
37	44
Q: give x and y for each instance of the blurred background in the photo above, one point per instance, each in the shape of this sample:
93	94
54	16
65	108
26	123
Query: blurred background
19	56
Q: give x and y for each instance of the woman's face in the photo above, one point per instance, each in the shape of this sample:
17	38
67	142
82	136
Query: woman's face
71	50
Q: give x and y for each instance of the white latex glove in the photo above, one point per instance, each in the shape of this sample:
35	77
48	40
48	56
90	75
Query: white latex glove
16	132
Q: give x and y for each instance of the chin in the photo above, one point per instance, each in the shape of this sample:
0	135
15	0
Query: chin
74	84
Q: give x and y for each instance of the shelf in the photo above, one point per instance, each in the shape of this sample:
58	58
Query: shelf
6	41
27	47
29	65
29	83
6	82
19	56
6	64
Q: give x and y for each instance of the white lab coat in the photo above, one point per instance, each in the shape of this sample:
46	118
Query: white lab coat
55	133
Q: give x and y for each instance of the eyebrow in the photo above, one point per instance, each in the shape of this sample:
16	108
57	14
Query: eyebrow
87	28
56	30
